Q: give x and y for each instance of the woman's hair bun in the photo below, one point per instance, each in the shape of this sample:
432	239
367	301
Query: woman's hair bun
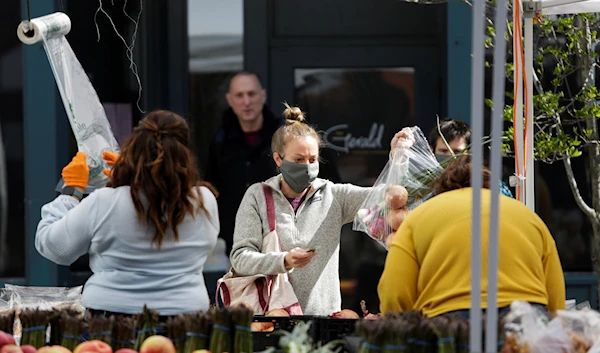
293	113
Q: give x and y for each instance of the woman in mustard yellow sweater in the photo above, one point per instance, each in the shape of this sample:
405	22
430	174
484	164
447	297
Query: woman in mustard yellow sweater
428	265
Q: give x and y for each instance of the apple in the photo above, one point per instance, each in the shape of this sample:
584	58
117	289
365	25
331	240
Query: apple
277	312
126	350
93	346
345	314
6	338
10	348
28	349
53	349
157	344
262	326
201	351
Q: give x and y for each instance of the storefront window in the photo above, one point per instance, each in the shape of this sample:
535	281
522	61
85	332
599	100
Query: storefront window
216	37
358	112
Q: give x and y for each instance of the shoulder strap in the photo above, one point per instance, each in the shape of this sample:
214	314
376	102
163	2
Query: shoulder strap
270	206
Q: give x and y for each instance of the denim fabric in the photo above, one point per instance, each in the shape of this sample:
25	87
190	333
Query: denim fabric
465	313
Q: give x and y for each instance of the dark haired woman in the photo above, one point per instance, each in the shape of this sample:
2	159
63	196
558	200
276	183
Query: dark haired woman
427	267
148	234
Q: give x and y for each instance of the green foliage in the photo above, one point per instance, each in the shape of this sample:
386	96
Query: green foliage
560	111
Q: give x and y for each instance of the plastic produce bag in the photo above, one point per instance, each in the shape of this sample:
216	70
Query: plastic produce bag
84	110
46	298
528	330
7	299
401	186
584	327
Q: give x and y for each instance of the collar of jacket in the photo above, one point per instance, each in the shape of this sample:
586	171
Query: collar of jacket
231	124
274	184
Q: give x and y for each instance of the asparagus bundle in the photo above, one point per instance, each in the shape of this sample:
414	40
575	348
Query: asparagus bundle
55	317
71	328
146	323
124	332
462	342
101	328
176	332
197	327
242	318
7	321
425	339
412	320
372	334
440	325
394	336
220	339
34	323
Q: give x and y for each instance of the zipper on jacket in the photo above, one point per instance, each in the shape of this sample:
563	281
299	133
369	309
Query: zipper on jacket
295	214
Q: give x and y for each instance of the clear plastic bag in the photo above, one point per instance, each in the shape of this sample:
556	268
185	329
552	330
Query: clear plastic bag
584	327
86	114
7	299
43	298
402	185
46	298
529	329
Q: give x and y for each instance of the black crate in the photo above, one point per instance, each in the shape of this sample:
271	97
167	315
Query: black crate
264	340
331	329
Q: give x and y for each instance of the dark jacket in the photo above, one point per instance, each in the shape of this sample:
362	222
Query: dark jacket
233	165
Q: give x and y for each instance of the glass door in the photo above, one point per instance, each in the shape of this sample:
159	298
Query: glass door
358	97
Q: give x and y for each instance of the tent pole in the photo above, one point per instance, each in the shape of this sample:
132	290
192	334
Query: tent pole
530	176
498	94
477	95
518	124
553	3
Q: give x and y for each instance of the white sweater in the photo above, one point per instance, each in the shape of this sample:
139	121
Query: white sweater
129	271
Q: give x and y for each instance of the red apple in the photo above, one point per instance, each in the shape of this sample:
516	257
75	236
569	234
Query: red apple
28	349
157	344
6	338
10	348
53	349
93	346
126	350
345	314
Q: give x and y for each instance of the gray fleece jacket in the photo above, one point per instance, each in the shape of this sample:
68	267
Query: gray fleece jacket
316	224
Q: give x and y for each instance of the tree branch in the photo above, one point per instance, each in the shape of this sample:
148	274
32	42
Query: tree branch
590	212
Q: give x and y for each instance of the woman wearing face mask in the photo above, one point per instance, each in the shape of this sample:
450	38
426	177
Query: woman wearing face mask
309	212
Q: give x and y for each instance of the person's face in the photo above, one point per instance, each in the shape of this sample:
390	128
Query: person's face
246	97
299	150
457	145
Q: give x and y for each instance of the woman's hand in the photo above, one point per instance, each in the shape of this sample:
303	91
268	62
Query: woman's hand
298	258
110	158
402	139
77	172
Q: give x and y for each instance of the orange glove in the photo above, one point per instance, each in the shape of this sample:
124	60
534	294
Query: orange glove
110	158
77	172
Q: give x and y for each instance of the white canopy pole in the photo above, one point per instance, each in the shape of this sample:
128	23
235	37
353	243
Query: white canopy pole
477	91
530	168
518	126
552	3
529	12
498	93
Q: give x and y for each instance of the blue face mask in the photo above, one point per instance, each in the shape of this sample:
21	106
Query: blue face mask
299	176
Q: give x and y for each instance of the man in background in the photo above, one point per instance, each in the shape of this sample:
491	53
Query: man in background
239	154
457	134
